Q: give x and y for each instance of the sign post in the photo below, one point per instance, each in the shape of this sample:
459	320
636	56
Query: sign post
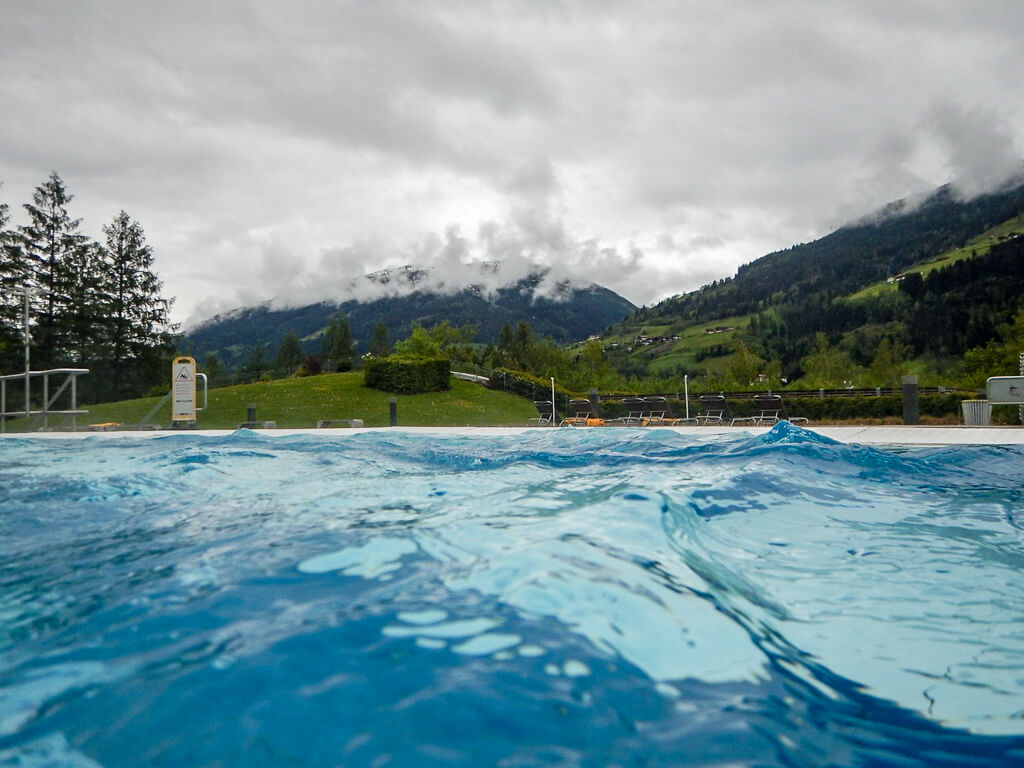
1005	390
183	392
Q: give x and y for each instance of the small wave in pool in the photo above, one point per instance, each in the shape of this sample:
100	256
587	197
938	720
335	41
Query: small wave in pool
559	597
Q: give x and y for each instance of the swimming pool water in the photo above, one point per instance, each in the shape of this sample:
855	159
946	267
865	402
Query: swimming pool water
559	597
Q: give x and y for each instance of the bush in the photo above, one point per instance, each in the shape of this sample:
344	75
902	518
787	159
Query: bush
311	366
529	386
819	409
407	375
856	407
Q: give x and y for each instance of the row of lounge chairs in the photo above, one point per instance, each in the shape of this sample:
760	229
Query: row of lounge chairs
655	411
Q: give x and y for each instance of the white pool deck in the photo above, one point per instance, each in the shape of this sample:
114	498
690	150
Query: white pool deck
857	435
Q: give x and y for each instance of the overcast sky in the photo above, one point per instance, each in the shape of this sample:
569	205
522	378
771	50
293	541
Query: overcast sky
277	150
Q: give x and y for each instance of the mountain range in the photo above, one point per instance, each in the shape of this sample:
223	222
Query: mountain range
933	279
562	311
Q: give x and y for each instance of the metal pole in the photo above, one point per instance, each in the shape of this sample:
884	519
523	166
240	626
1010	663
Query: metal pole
46	401
686	389
911	406
553	401
28	367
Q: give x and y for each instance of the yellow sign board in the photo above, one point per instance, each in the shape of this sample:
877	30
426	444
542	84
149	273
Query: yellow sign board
183	389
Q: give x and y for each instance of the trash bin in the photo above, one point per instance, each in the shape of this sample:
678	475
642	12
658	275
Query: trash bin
977	413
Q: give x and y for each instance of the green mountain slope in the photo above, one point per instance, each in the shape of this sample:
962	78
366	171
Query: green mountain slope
576	313
966	280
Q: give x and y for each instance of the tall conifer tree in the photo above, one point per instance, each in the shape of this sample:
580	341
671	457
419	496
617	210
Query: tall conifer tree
138	330
337	345
50	243
380	344
11	277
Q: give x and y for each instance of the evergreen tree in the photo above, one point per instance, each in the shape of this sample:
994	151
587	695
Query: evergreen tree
523	341
380	344
50	244
257	362
289	354
136	321
337	345
506	346
84	317
12	277
213	368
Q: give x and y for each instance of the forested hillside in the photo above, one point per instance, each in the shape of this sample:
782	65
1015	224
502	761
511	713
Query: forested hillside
920	288
577	313
849	258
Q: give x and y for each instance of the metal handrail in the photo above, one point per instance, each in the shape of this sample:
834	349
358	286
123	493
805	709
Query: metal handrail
165	398
47	410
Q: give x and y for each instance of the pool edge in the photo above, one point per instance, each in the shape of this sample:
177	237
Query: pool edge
858	435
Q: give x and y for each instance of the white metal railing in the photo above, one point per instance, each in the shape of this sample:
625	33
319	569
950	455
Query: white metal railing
48	401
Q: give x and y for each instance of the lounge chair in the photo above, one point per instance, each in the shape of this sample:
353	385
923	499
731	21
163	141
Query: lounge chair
546	409
659	413
769	409
581	411
715	410
656	410
635	410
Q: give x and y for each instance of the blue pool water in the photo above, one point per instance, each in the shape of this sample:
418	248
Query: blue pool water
556	598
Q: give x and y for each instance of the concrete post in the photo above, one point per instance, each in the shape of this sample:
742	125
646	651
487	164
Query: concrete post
393	411
595	401
911	406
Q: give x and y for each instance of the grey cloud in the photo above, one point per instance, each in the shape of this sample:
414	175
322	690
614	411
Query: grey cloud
652	147
980	146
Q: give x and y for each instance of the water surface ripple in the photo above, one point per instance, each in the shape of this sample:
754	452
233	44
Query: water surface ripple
559	597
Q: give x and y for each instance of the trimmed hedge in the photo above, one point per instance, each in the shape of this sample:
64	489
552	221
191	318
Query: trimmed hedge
407	375
841	408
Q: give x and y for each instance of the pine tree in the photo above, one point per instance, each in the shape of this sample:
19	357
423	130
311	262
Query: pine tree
289	354
50	243
83	318
12	277
380	344
213	368
138	330
337	346
257	362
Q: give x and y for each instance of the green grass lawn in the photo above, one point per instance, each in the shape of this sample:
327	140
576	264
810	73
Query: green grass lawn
691	339
298	403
